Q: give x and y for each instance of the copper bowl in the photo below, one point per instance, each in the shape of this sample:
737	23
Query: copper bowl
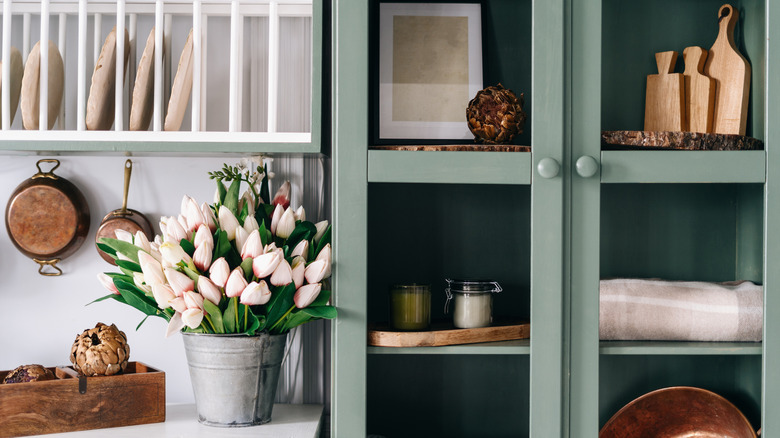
678	412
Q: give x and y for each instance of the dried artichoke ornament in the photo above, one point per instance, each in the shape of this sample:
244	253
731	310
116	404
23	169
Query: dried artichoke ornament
495	115
100	351
29	373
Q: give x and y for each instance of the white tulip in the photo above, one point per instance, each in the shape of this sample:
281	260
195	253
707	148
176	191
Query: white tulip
163	294
174	325
192	318
301	249
300	214
321	226
228	222
152	269
202	256
203	235
282	274
209	290
253	246
286	224
298	266
173	253
250	224
276	217
256	293
208	215
124	235
241	237
265	264
140	240
325	255
315	271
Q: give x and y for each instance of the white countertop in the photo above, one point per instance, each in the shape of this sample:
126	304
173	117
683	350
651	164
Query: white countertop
181	420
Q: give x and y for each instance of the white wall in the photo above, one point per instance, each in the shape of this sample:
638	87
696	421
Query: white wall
41	316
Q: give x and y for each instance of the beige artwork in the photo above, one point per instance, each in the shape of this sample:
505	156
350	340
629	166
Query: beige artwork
430	68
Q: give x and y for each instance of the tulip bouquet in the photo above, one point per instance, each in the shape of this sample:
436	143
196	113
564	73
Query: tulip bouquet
240	265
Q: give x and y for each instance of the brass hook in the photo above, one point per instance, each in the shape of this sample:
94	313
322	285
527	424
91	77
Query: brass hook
50	174
52	263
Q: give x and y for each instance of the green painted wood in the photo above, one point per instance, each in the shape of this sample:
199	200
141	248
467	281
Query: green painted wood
584	218
156	147
750	233
521	347
683	166
350	80
548	374
770	397
640	348
449	167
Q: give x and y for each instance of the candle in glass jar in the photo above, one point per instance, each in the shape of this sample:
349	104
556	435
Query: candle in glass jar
472	310
410	306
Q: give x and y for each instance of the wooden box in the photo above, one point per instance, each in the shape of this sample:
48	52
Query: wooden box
71	403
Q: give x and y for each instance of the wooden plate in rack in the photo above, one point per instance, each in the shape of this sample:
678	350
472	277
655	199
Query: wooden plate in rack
182	87
143	92
17	71
100	104
29	99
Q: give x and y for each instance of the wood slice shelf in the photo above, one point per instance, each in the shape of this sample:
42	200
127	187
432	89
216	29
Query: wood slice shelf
71	403
455	147
691	141
446	334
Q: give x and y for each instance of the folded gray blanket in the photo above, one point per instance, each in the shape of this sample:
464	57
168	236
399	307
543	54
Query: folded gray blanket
635	309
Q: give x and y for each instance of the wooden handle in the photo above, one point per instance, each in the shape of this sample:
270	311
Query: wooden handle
727	20
665	61
694	58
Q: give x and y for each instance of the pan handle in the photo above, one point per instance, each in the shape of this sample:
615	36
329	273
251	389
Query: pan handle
50	174
128	170
52	263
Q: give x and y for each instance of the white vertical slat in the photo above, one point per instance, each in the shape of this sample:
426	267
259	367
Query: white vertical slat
43	113
158	65
204	26
254	76
6	97
81	86
119	87
61	40
273	65
131	66
234	53
26	18
196	68
97	38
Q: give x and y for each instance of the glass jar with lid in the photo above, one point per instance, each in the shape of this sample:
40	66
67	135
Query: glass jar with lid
410	306
473	306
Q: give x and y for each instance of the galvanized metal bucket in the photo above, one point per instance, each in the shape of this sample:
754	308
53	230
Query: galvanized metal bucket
234	377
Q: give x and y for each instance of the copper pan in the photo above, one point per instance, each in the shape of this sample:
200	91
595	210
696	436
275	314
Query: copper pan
122	219
678	412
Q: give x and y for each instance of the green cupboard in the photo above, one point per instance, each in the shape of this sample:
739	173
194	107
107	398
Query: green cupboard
548	224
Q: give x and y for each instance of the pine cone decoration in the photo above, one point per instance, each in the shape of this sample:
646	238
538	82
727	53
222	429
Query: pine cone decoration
495	115
101	351
28	373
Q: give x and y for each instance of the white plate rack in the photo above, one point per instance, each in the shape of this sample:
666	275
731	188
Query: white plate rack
256	75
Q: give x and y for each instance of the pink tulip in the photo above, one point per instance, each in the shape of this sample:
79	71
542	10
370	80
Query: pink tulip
219	272
250	224
208	215
276	217
282	274
228	222
248	200
202	256
300	214
193	214
124	235
315	271
179	281
306	294
163	294
241	236
178	304
173	253
265	264
152	269
286	224
193	300
209	290
192	318
174	325
140	240
174	231
235	283
321	226
301	249
138	279
253	246
108	283
298	266
256	293
203	235
325	256
282	196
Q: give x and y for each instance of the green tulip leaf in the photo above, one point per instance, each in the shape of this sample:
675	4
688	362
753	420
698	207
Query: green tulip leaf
187	246
280	303
252	322
190	273
221	191
264	192
324	312
246	266
136	297
262	231
243	213
321	300
231	197
215	314
109	296
127	265
230	316
324	240
107	249
295	319
141	323
120	246
304	230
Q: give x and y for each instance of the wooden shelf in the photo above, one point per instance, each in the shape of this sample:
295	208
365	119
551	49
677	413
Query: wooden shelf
518	347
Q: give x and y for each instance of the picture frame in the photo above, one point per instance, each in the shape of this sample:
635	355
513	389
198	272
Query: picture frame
430	67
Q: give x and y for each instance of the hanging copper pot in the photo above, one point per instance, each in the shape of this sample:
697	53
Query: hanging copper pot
47	218
122	219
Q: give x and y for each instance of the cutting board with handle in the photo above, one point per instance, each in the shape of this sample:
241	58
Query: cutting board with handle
664	98
731	72
699	91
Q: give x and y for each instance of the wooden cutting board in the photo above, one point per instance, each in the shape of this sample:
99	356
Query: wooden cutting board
448	335
731	71
664	98
699	91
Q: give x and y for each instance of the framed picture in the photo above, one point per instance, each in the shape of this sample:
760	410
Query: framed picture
430	66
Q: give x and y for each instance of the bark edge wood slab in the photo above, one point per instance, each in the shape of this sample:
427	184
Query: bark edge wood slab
446	334
691	141
136	396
